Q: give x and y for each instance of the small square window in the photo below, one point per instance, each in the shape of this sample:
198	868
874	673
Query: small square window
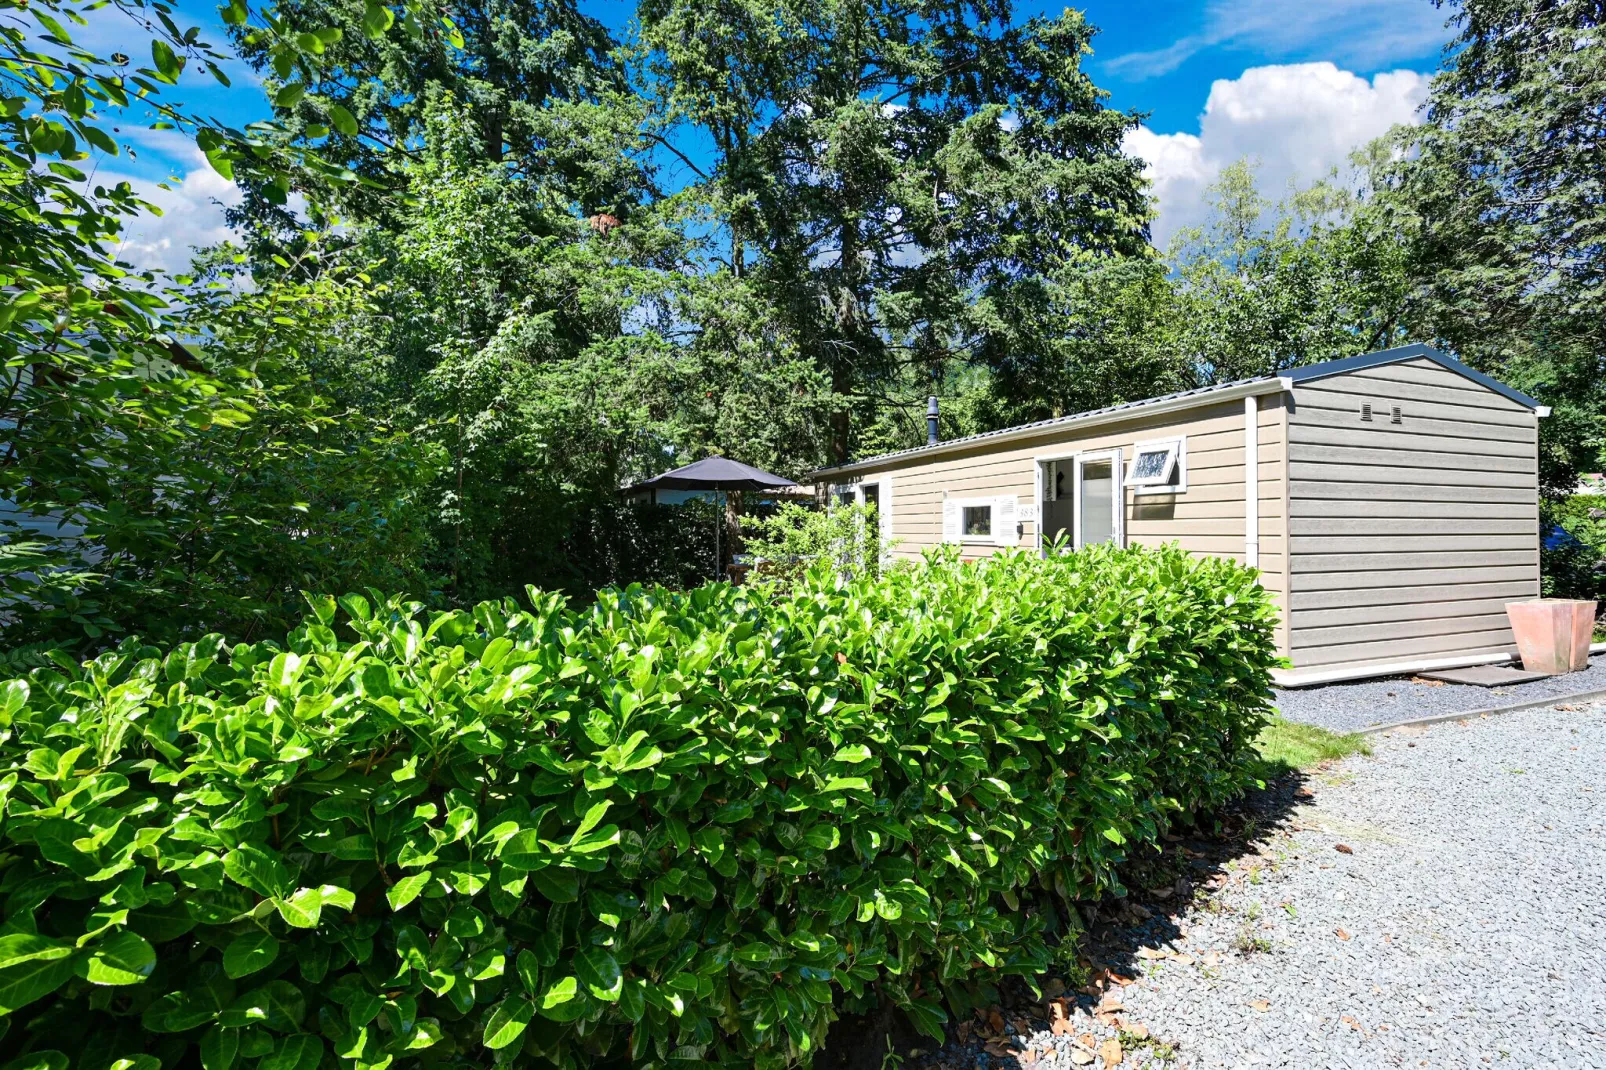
1153	466
1159	467
978	521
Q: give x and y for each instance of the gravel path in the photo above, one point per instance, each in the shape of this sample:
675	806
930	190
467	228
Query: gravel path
1365	703
1462	923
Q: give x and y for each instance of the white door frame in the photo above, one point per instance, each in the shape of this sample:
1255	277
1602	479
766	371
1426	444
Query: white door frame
1117	493
883	509
1078	458
1045	494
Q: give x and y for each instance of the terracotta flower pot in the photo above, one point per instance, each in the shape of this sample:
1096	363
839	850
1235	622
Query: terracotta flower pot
1553	634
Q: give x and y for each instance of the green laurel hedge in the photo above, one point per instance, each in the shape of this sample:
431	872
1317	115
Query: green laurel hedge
670	829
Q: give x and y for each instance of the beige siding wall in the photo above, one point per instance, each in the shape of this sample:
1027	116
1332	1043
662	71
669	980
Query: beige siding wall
1408	539
1207	518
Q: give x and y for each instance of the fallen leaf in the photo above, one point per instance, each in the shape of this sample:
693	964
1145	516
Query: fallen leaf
1111	1002
1080	1057
1087	1040
1022	1026
1110	1052
1054	987
1304	793
1425	682
1343	848
997	1048
1160	893
995	1022
962	1030
1059	1016
1138	1030
1350	1021
1212	958
1027	1057
1182	958
1260	1005
1150	953
1341	934
1120	980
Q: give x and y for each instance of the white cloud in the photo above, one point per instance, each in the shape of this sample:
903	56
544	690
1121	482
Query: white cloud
1366	34
1299	120
192	213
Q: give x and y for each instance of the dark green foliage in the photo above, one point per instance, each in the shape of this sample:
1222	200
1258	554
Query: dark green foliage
1573	550
674	828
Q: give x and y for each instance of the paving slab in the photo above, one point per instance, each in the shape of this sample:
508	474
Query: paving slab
1486	675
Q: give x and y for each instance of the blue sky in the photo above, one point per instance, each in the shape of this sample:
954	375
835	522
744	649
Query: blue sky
1295	84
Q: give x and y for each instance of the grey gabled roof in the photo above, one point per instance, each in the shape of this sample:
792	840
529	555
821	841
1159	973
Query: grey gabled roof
1205	394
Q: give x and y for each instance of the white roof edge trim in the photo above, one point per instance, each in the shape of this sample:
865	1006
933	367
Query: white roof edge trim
1542	411
1137	410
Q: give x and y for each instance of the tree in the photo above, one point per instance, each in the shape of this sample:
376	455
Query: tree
1266	286
1500	192
147	483
362	82
900	181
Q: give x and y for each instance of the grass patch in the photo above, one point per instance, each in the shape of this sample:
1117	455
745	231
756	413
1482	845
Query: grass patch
1285	746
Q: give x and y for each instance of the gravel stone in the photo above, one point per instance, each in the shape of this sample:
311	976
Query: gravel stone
1367	703
1473	902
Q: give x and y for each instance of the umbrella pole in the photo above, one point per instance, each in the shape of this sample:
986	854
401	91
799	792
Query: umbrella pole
717	519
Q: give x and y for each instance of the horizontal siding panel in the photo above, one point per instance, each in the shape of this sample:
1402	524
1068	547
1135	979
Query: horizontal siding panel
1342	413
1369	526
1437	461
1429	373
1384	562
1373	580
1412	595
1424	372
1234	526
1306	489
1496	641
1215	545
1183	507
1379	631
1409	608
1381	392
1356	473
1374	508
1318	545
1364	435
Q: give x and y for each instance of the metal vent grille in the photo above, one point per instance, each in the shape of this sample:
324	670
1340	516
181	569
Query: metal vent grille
1366	411
1394	417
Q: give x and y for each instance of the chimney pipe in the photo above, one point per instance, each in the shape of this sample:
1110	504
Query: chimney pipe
931	420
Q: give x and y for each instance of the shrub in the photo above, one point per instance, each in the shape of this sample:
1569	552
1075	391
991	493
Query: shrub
674	828
1572	551
798	538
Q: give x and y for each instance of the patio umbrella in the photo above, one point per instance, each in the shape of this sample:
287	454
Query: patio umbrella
717	474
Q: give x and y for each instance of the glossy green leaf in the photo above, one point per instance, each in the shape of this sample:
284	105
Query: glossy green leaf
250	952
123	958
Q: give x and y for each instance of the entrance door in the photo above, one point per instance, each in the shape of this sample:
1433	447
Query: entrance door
1098	498
1056	504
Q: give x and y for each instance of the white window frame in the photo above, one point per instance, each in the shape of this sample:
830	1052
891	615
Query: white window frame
1003	522
990	504
1178	448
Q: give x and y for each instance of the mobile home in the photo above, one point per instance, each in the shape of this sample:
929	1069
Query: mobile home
1390	501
